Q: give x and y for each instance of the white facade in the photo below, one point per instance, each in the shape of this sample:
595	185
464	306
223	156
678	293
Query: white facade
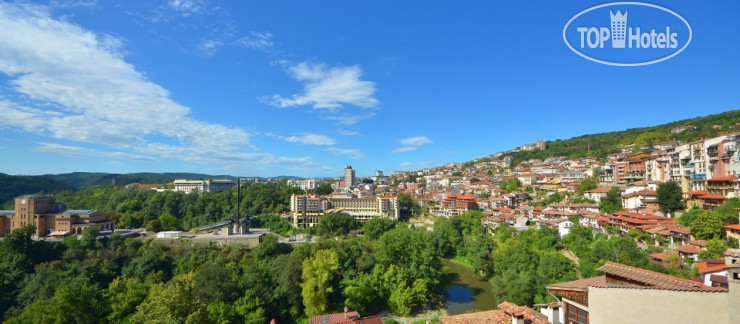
304	184
207	185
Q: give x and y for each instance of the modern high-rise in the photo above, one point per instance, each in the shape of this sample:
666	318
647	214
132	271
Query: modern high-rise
349	176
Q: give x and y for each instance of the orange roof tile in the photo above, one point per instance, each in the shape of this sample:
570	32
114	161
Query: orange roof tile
652	279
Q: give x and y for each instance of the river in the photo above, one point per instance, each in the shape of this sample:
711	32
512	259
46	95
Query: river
466	291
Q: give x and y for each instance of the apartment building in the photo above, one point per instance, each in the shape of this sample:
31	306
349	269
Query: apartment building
304	184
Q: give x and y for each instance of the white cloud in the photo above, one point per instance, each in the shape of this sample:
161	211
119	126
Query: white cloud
412	143
354	154
75	85
348	120
189	7
313	139
77	150
210	46
328	87
257	40
347	133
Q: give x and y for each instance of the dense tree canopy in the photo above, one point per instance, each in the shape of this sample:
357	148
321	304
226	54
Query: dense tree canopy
669	196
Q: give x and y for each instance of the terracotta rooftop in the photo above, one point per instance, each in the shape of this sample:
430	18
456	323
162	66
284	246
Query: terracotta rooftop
689	249
725	178
652	279
713	197
500	316
711	265
348	318
581	284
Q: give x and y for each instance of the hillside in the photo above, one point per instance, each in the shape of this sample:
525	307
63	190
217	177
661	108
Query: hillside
148	177
604	144
77	179
13	186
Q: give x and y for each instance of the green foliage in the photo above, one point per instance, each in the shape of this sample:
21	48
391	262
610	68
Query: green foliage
669	196
409	207
13	186
688	217
375	227
319	274
333	224
510	185
612	202
706	226
715	249
588	183
323	189
553	198
273	222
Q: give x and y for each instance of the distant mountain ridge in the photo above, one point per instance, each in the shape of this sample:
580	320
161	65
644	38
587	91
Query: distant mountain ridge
13	186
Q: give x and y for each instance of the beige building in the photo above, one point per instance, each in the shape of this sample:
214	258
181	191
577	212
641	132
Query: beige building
349	176
626	294
306	210
50	218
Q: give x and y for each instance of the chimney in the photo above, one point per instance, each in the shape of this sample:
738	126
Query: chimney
517	319
346	310
733	284
556	314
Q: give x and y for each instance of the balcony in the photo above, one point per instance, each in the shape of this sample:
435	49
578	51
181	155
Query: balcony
699	176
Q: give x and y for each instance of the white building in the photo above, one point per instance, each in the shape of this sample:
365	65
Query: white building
304	184
306	210
207	185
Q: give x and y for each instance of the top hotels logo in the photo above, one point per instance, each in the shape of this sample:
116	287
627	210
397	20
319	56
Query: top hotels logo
627	33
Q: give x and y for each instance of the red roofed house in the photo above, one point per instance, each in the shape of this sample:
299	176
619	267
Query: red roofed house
348	317
720	189
626	294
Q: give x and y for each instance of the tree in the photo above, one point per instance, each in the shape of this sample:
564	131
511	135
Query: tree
715	249
168	222
588	183
375	227
323	189
319	274
669	196
409	207
706	226
336	224
123	295
612	202
510	185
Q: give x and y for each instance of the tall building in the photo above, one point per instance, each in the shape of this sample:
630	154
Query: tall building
349	176
49	217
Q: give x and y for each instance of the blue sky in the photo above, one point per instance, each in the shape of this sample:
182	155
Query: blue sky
267	88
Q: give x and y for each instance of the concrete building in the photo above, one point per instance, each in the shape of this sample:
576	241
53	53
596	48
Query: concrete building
349	176
626	294
306	210
50	218
206	185
304	184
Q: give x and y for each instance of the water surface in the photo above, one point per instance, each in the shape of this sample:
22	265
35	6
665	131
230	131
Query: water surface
466	291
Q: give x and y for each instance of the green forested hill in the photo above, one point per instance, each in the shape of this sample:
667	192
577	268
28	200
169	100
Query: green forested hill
147	177
607	143
13	186
77	179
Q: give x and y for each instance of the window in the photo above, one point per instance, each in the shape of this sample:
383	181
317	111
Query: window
576	315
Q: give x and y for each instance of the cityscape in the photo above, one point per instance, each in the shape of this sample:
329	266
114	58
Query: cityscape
327	186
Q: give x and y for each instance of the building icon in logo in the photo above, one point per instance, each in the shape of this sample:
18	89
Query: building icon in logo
619	28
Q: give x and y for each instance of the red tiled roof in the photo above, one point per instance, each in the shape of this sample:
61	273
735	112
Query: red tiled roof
336	318
733	227
711	265
713	197
697	193
724	178
501	316
652	279
580	284
689	249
